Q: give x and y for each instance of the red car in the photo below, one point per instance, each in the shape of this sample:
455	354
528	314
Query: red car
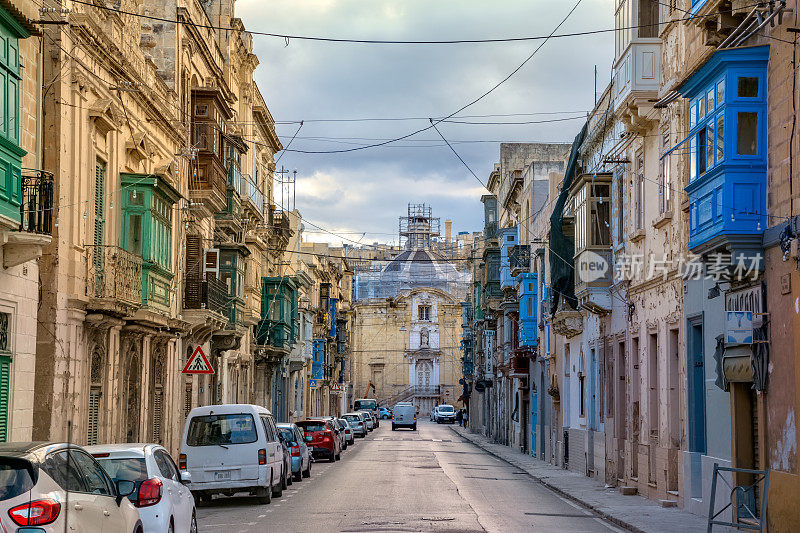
321	438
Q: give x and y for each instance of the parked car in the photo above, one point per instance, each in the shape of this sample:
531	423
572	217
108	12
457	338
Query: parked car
338	431
301	456
287	477
321	439
405	416
385	413
368	419
357	423
232	448
38	480
350	438
164	503
433	413
445	414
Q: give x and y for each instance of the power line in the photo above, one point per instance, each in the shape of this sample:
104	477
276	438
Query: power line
288	37
458	156
462	108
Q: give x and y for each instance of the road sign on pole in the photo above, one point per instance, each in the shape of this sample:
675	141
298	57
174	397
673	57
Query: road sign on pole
198	364
312	383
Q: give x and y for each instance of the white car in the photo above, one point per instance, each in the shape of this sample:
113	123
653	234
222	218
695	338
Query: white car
165	504
433	413
50	487
232	448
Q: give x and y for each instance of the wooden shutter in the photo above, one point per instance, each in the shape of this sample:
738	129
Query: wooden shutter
99	201
94	415
211	262
194	256
5	383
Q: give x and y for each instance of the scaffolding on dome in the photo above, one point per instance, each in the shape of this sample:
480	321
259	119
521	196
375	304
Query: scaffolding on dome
423	264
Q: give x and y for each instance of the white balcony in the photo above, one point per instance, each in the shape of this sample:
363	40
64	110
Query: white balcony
637	74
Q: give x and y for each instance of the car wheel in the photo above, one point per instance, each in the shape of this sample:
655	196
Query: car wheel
394	428
171	528
284	482
339	456
414	427
290	478
297	477
193	525
264	494
307	471
277	493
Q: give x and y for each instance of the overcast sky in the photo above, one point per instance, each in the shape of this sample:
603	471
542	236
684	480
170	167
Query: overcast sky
366	190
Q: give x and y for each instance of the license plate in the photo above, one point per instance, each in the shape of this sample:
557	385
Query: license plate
222	476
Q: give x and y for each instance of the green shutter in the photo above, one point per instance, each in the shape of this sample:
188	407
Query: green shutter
5	383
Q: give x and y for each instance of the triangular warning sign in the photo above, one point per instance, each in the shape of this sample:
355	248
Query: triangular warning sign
198	364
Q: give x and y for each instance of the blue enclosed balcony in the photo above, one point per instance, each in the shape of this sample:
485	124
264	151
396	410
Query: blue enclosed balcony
508	239
526	291
727	148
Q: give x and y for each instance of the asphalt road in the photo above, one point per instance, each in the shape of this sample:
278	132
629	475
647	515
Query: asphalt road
428	480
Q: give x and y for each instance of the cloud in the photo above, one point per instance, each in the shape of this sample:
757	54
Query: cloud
365	191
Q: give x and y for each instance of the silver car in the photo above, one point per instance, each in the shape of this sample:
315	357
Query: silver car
38	480
357	423
369	420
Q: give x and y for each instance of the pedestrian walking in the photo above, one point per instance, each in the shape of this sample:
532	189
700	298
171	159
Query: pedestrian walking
459	416
465	417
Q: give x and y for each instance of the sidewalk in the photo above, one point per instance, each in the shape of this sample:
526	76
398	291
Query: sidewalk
632	512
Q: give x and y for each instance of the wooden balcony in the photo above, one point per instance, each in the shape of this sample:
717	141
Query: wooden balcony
208	186
113	279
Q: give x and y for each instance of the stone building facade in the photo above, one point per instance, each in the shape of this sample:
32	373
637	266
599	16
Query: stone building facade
162	151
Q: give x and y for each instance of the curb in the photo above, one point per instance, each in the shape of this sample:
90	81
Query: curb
599	512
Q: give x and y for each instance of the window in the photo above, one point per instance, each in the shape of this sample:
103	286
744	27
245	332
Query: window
96	481
748	87
201	110
746	133
582	399
64	471
165	465
664	178
620	208
213	430
424	313
639	200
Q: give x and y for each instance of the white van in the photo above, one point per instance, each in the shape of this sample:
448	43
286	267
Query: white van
404	415
232	448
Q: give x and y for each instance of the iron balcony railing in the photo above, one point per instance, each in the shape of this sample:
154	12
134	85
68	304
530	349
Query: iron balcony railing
519	257
211	294
426	391
113	273
250	192
36	209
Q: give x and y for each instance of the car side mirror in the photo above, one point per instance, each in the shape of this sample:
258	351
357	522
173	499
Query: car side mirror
186	477
124	488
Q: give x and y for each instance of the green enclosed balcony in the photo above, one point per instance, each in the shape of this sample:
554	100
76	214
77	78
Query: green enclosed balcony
278	326
147	205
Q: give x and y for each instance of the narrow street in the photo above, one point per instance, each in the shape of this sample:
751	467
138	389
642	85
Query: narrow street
429	480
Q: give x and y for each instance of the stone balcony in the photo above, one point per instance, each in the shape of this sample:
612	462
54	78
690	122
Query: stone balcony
637	79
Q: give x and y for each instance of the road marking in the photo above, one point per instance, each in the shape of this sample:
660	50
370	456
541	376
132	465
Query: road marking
262	515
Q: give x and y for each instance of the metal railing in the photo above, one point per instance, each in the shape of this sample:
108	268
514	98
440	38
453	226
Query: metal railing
519	258
211	294
426	391
113	273
250	192
36	209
